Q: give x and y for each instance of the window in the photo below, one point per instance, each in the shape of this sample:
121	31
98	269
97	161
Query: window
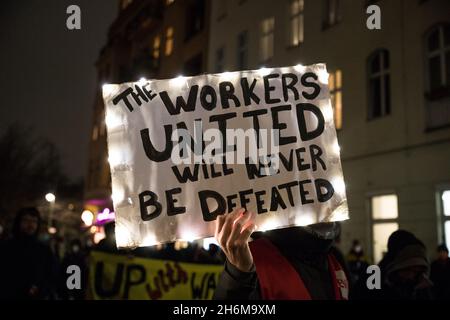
156	47
242	50
267	38
296	22
220	60
169	41
445	197
384	214
195	15
379	84
332	13
335	85
437	95
438	58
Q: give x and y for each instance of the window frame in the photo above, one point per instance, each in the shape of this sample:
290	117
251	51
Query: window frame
242	49
383	74
377	221
169	39
334	89
300	27
266	35
441	217
156	48
444	88
327	21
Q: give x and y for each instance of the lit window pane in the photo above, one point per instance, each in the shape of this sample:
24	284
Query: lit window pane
446	202
385	207
294	28
156	45
300	28
381	233
156	42
296	22
169	47
169	41
338	79
294	7
338	110
267	38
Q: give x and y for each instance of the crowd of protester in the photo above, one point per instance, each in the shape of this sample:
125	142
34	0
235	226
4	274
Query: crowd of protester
30	269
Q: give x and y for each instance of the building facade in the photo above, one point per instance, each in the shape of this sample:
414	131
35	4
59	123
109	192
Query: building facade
390	90
152	39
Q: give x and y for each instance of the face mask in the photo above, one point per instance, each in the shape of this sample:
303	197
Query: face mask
324	230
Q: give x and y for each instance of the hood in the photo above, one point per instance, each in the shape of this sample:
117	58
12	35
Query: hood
31	211
410	256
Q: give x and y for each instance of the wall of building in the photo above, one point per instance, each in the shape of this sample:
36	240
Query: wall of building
127	56
390	154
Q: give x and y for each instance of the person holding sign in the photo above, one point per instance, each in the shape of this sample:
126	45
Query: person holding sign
295	263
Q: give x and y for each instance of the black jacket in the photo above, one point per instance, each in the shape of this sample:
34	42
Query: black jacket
440	275
26	263
307	254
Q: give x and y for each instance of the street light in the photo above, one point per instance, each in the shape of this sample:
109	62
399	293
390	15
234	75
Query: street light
50	197
52	230
87	217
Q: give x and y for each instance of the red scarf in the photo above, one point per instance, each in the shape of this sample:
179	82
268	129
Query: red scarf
279	280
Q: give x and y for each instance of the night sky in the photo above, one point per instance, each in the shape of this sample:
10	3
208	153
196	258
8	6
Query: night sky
47	72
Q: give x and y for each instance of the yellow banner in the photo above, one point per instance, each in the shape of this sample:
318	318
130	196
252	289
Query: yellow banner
130	278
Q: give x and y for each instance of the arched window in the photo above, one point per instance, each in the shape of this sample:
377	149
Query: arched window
379	83
437	47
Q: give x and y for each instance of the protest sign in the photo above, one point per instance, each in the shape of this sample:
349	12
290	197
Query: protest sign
185	150
122	277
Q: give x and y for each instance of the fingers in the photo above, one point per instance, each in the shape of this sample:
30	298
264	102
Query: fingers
238	225
247	232
219	224
250	220
232	233
228	225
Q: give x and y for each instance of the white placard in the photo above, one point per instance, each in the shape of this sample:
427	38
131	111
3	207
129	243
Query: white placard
161	134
